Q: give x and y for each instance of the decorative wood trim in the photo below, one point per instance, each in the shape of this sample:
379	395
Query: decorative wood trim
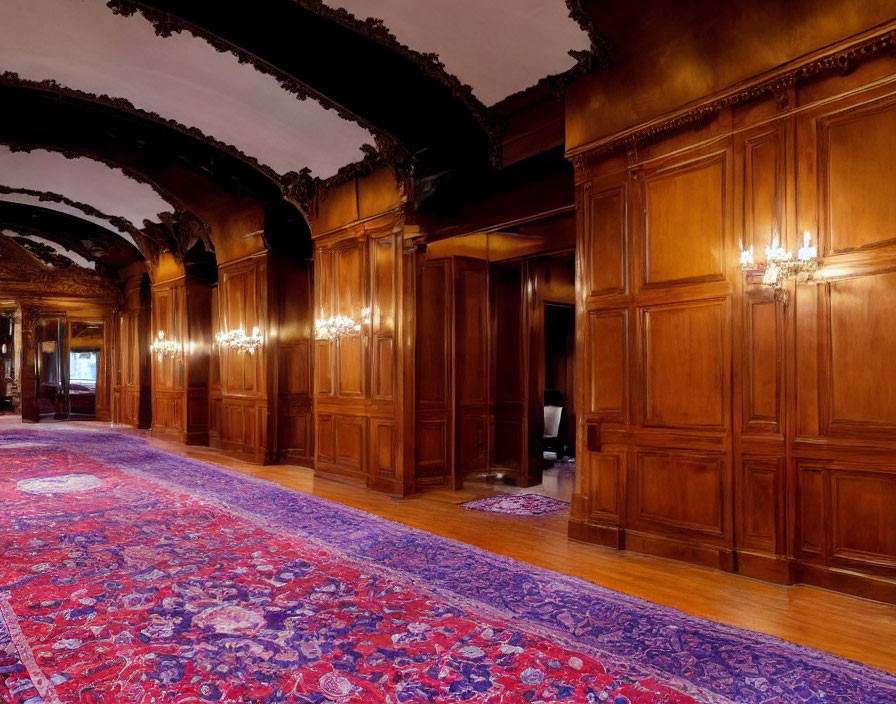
778	82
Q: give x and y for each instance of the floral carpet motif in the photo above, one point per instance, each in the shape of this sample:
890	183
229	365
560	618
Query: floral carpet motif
518	504
171	580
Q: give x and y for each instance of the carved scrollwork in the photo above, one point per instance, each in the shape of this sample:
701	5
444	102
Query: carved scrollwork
178	232
21	270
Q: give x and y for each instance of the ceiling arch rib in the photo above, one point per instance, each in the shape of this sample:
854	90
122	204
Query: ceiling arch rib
49	251
181	79
498	48
60	204
84	179
90	237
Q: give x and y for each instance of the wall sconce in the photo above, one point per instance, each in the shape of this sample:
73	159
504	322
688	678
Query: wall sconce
239	341
336	326
162	348
780	265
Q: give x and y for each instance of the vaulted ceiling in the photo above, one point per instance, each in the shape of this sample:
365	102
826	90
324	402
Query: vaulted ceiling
123	120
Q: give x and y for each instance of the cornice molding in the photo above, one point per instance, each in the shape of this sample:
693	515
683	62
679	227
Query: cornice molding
777	82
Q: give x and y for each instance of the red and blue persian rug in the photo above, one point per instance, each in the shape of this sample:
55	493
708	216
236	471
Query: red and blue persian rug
132	576
517	504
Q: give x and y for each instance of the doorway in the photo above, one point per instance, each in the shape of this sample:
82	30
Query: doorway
51	368
84	362
559	384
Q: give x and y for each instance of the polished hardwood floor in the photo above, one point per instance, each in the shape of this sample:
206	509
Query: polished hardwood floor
847	626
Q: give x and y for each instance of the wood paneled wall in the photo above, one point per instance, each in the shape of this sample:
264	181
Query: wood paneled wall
132	402
243	391
295	408
740	430
181	308
480	362
360	378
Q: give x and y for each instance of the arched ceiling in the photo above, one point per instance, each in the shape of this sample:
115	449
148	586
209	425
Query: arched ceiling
46	201
88	237
83	180
139	118
86	47
49	251
497	47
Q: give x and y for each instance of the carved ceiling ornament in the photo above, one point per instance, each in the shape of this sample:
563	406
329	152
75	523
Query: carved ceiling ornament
284	182
69	153
779	85
179	231
94	252
148	247
165	25
597	57
19	269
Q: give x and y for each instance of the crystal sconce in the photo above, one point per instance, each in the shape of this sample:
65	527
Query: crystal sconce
337	326
780	265
239	341
162	348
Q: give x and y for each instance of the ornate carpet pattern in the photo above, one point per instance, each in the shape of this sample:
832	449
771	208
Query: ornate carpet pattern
517	504
131	575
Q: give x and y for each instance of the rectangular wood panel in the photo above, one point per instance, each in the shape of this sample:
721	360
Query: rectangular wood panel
761	506
762	366
763	189
812	506
606	490
858	150
684	222
680	490
607	339
349	433
863	528
685	365
607	261
861	344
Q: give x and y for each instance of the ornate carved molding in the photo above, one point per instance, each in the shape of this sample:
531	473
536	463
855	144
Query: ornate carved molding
45	253
179	231
598	57
778	84
22	272
148	246
375	29
389	150
69	153
307	191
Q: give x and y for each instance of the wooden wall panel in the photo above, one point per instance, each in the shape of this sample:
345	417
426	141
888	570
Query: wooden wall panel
607	261
856	175
295	442
860	349
682	491
684	355
364	393
433	372
607	370
763	424
246	299
761	524
507	367
471	370
863	530
762	366
684	222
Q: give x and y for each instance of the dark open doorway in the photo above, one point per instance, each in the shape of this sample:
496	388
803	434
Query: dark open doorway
559	382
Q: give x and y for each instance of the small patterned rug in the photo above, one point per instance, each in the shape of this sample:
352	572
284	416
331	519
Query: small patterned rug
518	504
